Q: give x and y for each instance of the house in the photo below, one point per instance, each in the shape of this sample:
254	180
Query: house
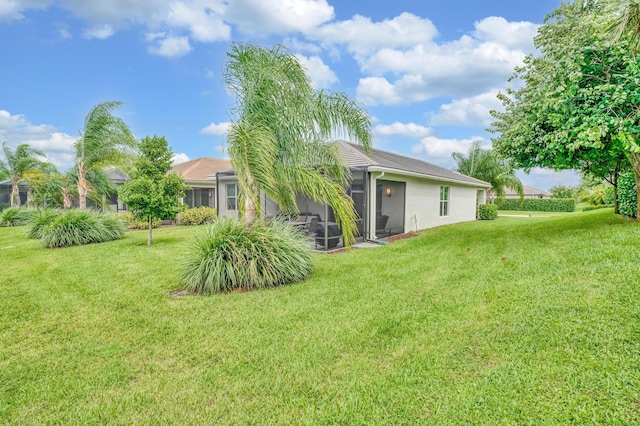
529	192
200	175
5	193
392	194
116	176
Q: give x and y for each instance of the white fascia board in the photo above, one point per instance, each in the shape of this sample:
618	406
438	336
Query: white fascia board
422	175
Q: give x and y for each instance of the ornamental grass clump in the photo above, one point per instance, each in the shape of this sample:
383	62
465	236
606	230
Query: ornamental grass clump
76	227
39	223
17	216
231	254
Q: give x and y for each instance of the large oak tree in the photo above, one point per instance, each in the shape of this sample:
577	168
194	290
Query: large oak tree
579	100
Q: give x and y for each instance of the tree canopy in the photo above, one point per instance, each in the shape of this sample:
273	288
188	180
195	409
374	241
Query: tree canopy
105	141
579	100
152	192
279	142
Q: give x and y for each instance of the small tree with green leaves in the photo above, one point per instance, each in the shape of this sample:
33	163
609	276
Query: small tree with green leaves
152	193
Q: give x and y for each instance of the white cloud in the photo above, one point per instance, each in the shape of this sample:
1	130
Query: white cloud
297	45
214	129
259	17
12	10
472	111
100	32
408	130
362	36
516	35
436	147
203	20
179	158
320	74
170	46
465	67
57	146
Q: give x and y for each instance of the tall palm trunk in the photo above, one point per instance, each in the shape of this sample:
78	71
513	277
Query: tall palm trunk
67	201
82	186
15	194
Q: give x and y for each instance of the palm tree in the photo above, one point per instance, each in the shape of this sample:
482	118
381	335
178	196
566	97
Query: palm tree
484	164
105	140
280	141
624	20
17	165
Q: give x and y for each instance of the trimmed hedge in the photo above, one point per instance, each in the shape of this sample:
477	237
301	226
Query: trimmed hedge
487	211
627	198
197	216
540	205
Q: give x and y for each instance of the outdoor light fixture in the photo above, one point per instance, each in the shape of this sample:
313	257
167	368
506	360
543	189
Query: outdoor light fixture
388	191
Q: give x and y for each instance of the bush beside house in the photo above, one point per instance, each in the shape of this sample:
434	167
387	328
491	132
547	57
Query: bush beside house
487	211
197	216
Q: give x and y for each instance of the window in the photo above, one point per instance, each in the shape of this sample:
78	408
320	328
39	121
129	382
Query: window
232	196
444	201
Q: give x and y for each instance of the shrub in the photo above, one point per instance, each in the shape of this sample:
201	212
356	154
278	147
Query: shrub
131	223
540	204
487	211
231	254
40	222
77	227
197	216
598	207
627	198
17	216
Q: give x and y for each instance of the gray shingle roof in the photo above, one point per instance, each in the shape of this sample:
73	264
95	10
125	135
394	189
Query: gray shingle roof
357	156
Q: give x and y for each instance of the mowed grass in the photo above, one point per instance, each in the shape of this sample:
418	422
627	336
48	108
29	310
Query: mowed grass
510	321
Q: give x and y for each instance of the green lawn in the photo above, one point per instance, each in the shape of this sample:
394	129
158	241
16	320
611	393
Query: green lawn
509	321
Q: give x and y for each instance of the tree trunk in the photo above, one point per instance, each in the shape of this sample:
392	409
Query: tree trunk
150	231
15	194
634	158
67	202
82	187
29	197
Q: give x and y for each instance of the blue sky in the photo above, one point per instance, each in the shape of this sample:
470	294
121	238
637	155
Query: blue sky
427	71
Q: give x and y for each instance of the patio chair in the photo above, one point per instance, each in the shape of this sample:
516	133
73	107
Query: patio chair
312	226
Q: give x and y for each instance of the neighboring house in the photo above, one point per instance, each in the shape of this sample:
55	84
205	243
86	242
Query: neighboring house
116	176
529	192
200	175
393	194
5	193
